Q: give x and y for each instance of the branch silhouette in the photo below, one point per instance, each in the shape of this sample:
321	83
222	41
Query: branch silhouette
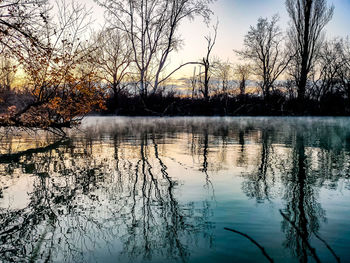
253	241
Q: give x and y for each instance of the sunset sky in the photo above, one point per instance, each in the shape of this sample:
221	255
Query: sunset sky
235	17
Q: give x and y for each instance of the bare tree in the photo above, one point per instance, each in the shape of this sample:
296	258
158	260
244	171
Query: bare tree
193	82
207	63
151	28
263	48
330	63
223	75
242	73
290	88
308	19
113	58
344	72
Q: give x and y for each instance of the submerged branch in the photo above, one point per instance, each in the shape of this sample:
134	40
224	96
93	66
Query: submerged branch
253	241
328	246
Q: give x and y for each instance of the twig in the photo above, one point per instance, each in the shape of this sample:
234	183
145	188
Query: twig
328	246
253	241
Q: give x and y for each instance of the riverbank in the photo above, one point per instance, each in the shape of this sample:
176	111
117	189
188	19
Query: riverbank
222	105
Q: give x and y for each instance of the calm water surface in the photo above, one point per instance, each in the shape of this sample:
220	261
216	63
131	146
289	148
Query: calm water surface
164	190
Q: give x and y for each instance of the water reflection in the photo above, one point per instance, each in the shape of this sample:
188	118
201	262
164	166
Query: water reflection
308	164
136	190
79	200
261	181
302	208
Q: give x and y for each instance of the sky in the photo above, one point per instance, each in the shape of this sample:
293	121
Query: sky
235	17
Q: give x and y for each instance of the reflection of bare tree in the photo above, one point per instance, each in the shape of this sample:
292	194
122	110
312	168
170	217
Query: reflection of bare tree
242	160
258	184
208	183
302	207
83	199
302	171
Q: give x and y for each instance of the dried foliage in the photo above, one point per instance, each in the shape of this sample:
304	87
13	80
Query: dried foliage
62	90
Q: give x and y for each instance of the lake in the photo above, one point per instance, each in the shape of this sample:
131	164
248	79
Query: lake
124	189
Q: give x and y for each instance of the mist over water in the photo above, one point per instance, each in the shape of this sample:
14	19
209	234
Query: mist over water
165	189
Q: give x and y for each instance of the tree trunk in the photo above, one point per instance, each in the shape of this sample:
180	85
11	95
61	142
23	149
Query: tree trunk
206	83
305	54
